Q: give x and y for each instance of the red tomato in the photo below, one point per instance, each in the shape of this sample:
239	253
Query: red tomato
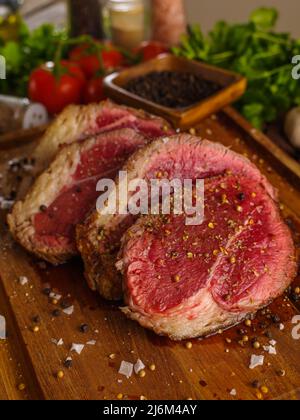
94	91
89	61
112	59
150	50
56	92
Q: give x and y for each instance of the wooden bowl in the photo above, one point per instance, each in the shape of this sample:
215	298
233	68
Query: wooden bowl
232	85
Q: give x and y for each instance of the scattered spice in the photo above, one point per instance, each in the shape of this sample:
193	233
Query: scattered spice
46	291
189	345
36	319
256	345
84	328
68	363
152	367
43	208
281	373
56	313
177	278
35	329
259	395
256	384
142	374
60	374
21	387
264	390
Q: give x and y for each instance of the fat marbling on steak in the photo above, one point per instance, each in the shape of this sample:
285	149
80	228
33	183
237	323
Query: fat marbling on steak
44	222
180	157
192	281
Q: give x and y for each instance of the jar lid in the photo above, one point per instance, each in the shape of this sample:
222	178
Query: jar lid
5	11
122	5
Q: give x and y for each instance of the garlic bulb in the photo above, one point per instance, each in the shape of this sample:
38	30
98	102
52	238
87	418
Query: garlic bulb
292	127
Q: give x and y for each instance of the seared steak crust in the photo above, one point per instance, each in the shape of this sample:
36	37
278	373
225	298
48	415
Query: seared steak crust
44	222
78	123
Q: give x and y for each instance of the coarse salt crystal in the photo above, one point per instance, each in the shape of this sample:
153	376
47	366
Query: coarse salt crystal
281	327
139	366
91	343
256	361
55	296
233	393
23	280
126	369
77	348
2	328
270	350
58	342
69	310
273	343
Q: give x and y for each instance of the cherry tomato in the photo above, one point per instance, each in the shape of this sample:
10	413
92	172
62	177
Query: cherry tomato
150	50
94	91
56	91
88	59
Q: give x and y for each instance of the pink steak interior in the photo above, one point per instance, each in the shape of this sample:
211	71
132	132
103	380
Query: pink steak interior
229	253
56	224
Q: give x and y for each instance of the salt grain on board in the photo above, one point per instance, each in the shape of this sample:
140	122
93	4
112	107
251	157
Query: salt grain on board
23	280
55	296
233	393
69	311
139	366
58	342
256	361
126	369
77	348
91	343
2	328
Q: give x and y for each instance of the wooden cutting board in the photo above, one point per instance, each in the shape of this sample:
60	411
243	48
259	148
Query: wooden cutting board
215	368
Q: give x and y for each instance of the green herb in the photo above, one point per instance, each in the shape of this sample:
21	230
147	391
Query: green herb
256	51
31	50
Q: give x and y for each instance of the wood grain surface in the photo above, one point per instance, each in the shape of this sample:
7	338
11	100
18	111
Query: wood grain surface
211	369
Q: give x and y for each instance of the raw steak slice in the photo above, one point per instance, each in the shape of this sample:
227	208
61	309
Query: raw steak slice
77	123
44	222
182	157
191	281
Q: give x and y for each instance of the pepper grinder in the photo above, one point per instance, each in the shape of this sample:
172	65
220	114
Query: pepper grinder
168	20
86	18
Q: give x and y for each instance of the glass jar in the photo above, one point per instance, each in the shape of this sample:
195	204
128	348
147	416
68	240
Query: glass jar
127	22
10	20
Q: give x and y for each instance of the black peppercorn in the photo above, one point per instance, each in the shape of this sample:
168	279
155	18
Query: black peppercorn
84	328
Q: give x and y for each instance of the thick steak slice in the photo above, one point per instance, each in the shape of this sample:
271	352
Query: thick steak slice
44	222
77	123
191	281
183	157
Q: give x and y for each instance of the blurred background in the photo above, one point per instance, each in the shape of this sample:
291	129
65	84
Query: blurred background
257	39
205	11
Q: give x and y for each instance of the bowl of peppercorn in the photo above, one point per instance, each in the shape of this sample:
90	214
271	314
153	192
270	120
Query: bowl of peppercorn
180	90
